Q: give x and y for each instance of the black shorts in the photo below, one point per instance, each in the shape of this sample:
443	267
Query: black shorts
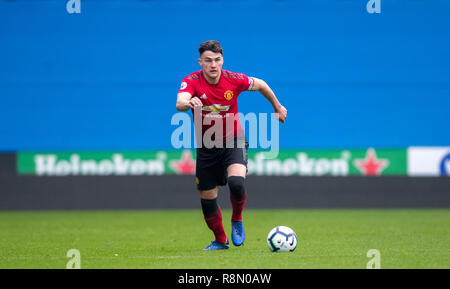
212	163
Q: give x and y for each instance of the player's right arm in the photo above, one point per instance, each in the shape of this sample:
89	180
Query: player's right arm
185	101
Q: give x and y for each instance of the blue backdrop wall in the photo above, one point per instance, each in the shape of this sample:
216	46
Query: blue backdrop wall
107	78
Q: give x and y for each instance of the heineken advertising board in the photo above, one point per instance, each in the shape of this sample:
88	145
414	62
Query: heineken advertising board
370	162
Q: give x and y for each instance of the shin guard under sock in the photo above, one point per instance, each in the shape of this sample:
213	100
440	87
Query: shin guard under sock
213	218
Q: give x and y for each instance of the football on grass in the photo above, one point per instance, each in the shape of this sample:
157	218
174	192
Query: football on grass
282	239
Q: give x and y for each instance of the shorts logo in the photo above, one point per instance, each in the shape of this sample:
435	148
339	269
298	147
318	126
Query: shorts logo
183	85
197	180
228	94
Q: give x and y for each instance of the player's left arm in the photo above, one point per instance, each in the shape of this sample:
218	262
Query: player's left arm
261	86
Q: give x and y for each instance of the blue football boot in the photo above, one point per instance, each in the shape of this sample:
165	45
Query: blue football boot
237	233
217	246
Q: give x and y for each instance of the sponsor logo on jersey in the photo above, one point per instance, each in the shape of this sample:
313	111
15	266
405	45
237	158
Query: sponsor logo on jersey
228	94
216	108
203	96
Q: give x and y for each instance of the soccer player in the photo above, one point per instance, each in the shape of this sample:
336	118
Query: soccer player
213	92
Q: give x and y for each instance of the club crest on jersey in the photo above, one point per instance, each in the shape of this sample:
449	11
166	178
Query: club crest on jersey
183	85
228	94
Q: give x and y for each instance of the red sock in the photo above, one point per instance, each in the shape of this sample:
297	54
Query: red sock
214	222
238	207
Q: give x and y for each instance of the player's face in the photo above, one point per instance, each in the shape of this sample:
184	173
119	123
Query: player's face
212	63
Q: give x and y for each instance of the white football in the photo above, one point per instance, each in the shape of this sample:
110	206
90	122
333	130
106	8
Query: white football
282	239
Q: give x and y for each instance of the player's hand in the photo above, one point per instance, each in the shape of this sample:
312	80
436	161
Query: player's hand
281	112
195	102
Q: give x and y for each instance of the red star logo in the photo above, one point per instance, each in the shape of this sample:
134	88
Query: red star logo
186	166
370	165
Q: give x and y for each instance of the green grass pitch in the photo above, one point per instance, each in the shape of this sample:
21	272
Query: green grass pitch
175	238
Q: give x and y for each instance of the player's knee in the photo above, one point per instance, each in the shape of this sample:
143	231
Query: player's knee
209	194
237	186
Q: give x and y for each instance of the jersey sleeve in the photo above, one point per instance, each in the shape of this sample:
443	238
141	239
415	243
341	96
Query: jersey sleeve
246	83
187	85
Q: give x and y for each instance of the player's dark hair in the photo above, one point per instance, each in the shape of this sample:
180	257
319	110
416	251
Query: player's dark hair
210	45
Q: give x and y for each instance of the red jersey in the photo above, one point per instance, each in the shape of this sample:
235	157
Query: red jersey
219	100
